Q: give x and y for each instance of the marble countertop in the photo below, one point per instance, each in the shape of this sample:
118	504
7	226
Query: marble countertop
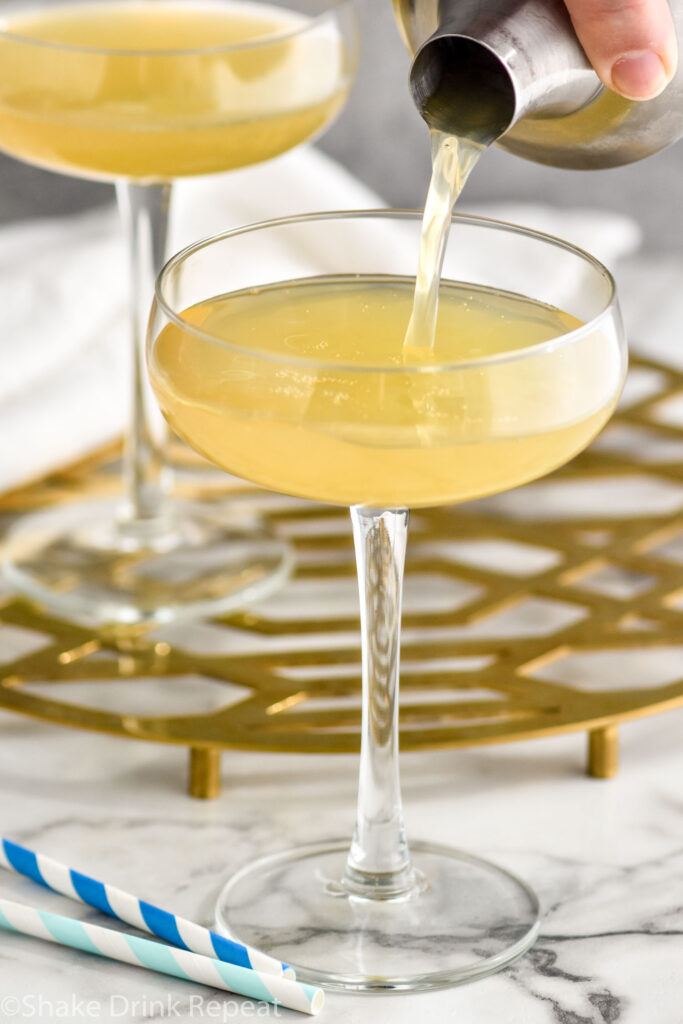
605	857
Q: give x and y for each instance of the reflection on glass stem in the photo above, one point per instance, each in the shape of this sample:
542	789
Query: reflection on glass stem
379	861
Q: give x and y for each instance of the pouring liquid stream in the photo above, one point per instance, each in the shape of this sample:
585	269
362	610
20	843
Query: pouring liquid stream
453	159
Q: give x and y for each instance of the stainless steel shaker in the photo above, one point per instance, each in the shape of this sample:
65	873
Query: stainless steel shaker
513	71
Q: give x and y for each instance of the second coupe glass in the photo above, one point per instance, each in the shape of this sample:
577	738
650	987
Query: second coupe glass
141	92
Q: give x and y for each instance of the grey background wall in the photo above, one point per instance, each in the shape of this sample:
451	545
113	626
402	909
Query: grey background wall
382	139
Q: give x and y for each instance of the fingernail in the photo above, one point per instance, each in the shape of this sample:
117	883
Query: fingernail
639	75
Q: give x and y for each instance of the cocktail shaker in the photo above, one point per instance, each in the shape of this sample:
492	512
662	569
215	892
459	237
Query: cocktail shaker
513	71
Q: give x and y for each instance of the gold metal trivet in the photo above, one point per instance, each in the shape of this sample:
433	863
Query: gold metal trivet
520	624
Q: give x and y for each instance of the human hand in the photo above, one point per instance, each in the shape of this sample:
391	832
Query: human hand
630	43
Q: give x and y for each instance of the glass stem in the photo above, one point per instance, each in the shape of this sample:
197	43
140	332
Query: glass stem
378	865
144	211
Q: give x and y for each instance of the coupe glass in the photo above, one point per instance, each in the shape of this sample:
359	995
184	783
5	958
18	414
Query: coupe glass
374	913
141	92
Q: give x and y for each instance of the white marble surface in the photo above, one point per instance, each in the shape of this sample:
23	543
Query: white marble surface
606	858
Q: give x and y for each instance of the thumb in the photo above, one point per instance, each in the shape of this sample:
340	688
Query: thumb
630	43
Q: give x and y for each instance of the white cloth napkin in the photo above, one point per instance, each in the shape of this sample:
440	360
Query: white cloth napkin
608	236
63	286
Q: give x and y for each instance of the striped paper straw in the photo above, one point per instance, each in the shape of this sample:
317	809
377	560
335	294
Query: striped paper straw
155	956
138	913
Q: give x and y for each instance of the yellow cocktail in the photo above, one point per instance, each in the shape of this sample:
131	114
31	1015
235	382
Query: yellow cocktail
278	351
159	89
306	390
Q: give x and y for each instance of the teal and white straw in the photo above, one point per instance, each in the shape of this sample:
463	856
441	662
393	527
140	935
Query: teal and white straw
156	956
139	913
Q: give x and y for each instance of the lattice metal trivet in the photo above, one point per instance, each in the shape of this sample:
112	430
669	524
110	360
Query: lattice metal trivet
552	609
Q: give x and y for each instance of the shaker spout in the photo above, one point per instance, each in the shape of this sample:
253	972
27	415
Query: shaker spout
462	87
514	72
490	64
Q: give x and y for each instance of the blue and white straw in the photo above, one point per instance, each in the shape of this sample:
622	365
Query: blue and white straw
145	916
155	956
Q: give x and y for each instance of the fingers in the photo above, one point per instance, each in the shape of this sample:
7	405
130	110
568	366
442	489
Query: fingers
630	43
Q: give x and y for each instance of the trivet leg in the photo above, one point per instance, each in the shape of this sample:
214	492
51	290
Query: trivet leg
205	773
603	752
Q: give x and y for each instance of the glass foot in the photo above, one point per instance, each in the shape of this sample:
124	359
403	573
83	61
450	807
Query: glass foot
84	564
466	919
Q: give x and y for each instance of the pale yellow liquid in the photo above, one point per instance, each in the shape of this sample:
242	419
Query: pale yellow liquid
367	427
72	99
453	159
